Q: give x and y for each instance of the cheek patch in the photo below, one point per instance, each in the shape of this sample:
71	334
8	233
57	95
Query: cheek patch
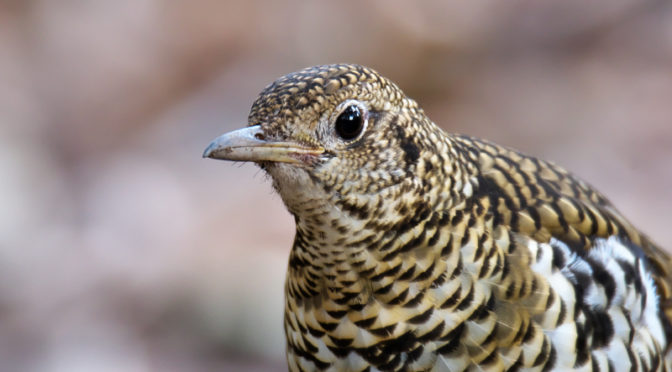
411	150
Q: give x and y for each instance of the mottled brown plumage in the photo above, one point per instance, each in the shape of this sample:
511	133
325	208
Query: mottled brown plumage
421	250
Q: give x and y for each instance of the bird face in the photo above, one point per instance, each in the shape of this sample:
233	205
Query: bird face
331	136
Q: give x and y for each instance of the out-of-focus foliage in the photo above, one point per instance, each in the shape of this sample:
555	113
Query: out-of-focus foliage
122	250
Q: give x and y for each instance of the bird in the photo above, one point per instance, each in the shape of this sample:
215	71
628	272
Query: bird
420	250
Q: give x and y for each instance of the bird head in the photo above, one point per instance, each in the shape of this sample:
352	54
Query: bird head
339	139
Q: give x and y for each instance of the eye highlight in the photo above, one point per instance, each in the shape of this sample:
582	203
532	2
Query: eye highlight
350	122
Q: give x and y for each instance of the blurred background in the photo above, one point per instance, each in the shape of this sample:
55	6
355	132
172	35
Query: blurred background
122	250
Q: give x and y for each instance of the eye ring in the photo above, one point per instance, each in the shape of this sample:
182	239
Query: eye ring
351	122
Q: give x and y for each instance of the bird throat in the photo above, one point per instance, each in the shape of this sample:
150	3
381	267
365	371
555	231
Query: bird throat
345	245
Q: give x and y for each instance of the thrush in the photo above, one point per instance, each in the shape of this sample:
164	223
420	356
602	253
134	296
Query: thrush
418	250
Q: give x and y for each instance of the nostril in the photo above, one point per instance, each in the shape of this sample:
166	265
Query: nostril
260	136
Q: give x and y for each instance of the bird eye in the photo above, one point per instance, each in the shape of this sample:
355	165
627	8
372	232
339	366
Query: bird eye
349	123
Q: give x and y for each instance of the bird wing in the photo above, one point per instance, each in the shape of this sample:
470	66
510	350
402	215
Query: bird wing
541	200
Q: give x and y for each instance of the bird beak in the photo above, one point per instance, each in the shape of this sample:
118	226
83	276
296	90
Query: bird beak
249	144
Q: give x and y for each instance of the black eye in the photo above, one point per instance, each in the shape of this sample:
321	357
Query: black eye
349	123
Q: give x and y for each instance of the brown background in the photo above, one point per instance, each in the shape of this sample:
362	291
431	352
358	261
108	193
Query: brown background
122	250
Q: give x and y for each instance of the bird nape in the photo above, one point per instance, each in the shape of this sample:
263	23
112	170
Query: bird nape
419	250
